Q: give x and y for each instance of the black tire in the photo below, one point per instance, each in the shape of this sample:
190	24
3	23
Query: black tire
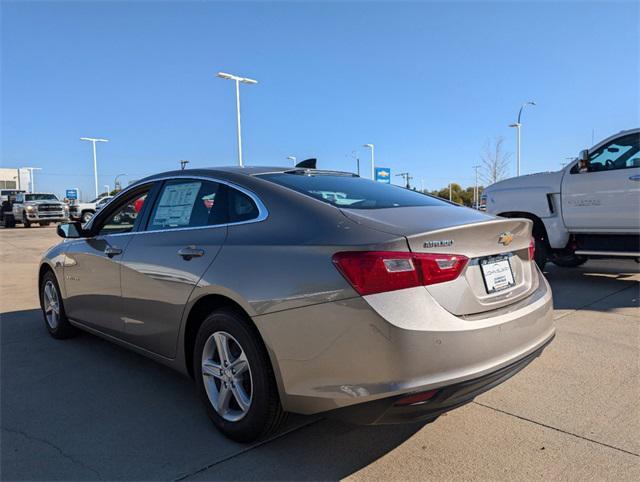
542	251
26	223
44	223
62	329
264	414
10	222
571	261
86	216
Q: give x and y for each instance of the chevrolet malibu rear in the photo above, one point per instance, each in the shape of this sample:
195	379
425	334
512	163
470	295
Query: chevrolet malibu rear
327	293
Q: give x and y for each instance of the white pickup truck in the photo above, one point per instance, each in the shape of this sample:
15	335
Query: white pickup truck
589	209
84	211
40	207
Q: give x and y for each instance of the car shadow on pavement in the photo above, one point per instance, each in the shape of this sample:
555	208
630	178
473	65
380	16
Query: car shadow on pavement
86	409
598	285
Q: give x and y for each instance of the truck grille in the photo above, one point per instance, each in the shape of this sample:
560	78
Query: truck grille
46	208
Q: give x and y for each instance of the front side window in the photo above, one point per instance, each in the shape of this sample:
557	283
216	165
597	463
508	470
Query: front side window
124	217
350	192
621	153
187	204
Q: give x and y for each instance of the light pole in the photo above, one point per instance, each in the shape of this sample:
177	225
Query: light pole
293	158
93	141
237	80
518	126
106	189
116	183
183	165
31	178
372	147
475	191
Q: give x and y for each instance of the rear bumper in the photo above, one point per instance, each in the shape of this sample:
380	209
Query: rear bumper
350	352
388	411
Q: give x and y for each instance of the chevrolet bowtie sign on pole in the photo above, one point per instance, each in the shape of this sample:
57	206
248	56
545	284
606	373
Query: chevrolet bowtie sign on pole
383	174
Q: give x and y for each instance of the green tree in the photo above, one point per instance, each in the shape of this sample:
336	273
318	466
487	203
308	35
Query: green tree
459	195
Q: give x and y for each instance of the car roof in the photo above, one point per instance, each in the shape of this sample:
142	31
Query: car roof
233	171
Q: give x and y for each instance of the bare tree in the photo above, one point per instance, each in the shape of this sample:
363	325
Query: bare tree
495	162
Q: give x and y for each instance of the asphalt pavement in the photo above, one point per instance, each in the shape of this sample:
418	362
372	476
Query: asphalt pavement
85	409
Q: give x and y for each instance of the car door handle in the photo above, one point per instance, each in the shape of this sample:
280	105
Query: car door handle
111	251
190	252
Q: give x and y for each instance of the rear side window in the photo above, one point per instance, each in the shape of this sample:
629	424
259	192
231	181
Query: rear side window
352	192
187	203
241	207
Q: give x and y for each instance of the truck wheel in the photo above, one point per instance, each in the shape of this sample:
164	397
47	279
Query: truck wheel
541	254
25	221
571	261
86	217
10	222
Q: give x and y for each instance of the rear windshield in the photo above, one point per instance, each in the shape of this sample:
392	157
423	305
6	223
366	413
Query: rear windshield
352	192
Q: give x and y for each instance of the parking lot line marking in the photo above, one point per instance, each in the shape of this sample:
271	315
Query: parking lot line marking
555	428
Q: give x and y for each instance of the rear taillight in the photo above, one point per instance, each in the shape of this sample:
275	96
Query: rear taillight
532	249
372	272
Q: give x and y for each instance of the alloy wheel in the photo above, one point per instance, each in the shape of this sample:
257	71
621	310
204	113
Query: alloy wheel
51	305
227	377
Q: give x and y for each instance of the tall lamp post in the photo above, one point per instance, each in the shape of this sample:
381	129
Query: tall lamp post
476	199
237	80
293	159
93	141
518	126
116	182
372	147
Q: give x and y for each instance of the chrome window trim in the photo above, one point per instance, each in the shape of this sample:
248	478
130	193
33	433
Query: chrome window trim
263	213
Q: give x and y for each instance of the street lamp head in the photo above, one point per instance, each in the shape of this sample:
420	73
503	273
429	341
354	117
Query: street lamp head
93	139
370	146
244	80
531	102
514	125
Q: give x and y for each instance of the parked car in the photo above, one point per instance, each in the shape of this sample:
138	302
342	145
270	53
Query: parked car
377	304
7	198
84	211
588	209
40	207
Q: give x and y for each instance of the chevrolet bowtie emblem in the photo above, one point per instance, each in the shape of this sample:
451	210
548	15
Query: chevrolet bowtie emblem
505	238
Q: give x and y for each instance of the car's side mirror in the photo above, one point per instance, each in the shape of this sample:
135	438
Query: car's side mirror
584	155
71	230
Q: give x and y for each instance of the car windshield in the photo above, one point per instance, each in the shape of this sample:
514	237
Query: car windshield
41	197
345	191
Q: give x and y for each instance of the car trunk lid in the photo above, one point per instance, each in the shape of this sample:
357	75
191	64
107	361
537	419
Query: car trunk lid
483	239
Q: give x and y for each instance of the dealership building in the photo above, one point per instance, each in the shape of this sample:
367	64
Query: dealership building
15	178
